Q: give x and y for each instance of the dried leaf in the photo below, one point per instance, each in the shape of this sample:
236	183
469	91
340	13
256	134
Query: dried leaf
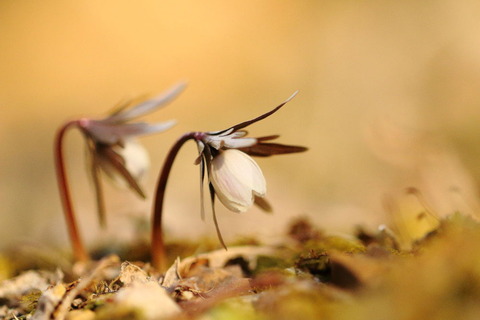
130	273
29	281
171	277
149	298
219	258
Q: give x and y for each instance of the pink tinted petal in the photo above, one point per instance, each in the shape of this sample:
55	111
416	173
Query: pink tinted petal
236	179
113	133
147	106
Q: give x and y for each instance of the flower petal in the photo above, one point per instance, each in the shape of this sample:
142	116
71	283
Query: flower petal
214	214
126	165
236	134
220	132
158	127
146	106
263	116
233	140
263	204
265	149
136	158
202	178
94	166
108	133
239	142
236	179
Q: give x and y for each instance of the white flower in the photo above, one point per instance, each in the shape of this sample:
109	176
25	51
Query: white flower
237	179
233	177
112	147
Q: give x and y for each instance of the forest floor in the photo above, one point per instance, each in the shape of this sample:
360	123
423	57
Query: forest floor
370	274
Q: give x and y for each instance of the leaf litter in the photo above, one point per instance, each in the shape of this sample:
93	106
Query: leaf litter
311	274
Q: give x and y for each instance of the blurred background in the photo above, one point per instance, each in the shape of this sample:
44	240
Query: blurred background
388	100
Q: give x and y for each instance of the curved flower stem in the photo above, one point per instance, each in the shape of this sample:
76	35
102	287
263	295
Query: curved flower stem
158	245
79	252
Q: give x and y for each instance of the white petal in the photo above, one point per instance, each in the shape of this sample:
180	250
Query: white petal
158	127
200	147
113	133
147	106
214	141
236	179
229	141
136	159
239	142
236	134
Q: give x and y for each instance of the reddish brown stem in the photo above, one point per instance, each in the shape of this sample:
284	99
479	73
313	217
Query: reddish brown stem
158	246
79	252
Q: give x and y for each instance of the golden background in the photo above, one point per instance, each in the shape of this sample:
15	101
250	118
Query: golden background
388	99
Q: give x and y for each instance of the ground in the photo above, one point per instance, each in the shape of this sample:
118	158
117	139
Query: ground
369	274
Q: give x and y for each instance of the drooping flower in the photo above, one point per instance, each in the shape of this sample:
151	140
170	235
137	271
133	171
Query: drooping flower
233	176
113	149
